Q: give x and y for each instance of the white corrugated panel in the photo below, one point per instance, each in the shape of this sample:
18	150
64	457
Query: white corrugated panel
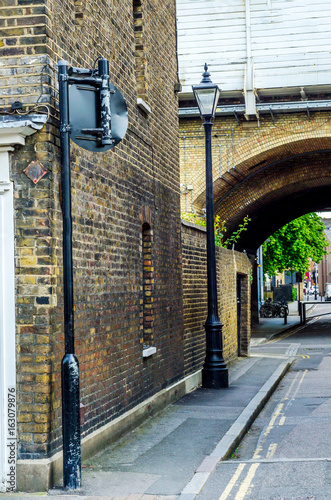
211	31
290	42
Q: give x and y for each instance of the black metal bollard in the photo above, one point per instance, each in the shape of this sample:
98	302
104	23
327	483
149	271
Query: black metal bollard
304	313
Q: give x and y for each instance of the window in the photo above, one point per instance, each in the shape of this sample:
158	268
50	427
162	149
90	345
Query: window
80	12
147	313
140	56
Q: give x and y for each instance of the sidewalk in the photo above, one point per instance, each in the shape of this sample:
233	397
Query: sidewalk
269	327
172	455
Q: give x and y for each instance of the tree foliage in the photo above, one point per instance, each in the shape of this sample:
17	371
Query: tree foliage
291	247
231	240
220	229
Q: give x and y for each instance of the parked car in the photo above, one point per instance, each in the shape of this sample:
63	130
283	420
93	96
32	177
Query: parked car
312	290
327	294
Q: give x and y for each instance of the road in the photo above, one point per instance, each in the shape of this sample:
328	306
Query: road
286	455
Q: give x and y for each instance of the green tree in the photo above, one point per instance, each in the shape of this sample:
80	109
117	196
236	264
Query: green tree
220	229
291	247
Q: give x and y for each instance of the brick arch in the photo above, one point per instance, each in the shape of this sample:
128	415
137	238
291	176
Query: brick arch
277	193
264	148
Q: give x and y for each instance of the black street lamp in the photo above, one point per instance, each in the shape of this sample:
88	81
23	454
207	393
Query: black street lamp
214	372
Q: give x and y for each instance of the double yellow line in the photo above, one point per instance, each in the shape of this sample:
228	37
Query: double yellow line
244	485
279	412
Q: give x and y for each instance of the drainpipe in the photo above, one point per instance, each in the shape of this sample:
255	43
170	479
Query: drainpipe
178	85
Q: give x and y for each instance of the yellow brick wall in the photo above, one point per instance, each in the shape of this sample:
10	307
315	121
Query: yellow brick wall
111	195
229	263
239	150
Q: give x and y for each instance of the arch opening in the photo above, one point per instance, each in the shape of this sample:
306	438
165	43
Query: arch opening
275	195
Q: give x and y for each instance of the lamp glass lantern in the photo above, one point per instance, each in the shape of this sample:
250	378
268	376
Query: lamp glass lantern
206	94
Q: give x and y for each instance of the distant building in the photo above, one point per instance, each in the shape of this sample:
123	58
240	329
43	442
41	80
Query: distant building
324	267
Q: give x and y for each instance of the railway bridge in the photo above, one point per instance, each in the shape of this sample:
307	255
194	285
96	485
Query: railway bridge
271	170
272	131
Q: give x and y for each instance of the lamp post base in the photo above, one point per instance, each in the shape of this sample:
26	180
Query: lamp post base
215	378
215	374
71	423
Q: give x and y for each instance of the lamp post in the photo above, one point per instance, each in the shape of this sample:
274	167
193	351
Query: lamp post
214	372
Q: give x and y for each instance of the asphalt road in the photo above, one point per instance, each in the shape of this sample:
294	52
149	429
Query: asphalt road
287	453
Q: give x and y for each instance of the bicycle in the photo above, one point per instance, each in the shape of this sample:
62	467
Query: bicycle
276	309
266	310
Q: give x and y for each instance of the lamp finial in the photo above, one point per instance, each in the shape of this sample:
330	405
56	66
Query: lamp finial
206	75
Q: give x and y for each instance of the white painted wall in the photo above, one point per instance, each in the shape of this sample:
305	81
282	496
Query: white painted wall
290	43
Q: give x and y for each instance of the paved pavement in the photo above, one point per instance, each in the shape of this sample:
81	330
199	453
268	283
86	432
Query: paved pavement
286	453
172	456
269	327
